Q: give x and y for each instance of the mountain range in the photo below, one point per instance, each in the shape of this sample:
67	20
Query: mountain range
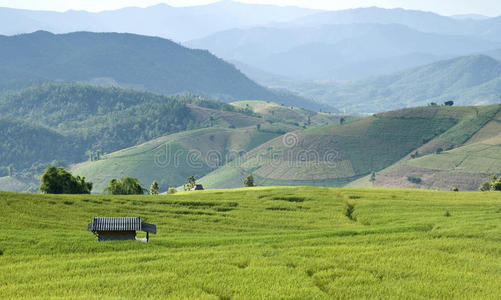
469	80
131	61
176	23
338	52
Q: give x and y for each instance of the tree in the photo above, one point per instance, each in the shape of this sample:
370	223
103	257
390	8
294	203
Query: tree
373	177
125	186
439	151
449	103
342	120
495	183
59	181
192	182
154	188
249	181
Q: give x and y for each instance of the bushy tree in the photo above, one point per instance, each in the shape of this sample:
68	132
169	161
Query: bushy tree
249	181
125	186
154	188
493	185
59	181
192	182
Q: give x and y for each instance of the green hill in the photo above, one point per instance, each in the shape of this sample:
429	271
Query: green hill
61	123
131	61
470	155
266	243
336	155
291	114
471	80
171	159
200	152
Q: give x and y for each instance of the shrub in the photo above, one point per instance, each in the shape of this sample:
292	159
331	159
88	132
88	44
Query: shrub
455	189
125	186
154	188
447	214
171	191
485	187
439	150
59	181
415	180
249	181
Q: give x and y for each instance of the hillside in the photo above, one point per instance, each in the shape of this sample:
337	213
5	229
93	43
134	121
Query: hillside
171	159
470	155
338	155
131	61
339	51
64	123
470	80
288	114
262	243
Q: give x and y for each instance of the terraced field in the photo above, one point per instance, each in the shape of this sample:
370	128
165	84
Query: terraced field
260	243
171	159
472	151
335	155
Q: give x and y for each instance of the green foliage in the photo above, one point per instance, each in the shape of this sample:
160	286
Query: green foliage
249	181
125	186
439	151
154	188
415	180
192	182
59	181
485	187
455	189
373	177
171	191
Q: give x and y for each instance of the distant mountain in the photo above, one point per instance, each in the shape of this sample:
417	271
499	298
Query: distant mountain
338	52
127	60
470	17
470	80
489	28
177	23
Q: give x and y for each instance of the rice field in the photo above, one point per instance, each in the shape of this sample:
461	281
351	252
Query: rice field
257	243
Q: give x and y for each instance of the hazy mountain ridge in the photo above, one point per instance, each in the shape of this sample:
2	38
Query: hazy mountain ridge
132	61
470	80
340	51
177	23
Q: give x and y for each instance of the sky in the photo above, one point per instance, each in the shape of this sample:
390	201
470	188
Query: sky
444	7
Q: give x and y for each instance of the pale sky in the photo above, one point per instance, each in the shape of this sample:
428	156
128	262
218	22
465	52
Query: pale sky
444	7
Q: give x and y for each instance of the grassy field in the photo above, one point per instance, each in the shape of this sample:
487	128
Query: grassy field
260	243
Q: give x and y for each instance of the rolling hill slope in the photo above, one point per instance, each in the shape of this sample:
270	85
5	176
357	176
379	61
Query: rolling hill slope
339	154
469	154
171	159
397	146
